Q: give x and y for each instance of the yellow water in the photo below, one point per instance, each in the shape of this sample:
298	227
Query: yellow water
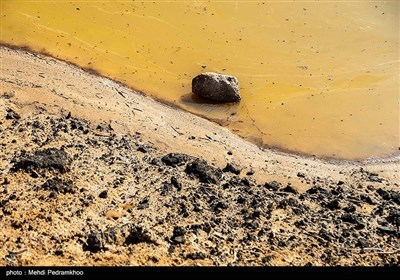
316	77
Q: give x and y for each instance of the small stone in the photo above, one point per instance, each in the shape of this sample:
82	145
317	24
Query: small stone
219	206
196	256
178	236
58	185
366	198
178	239
233	168
204	172
250	172
290	189
273	186
387	230
333	205
175	159
58	253
12	115
350	208
176	183
144	203
301	175
94	242
142	148
103	194
140	234
349	218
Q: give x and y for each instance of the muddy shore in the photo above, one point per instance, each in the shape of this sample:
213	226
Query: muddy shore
93	173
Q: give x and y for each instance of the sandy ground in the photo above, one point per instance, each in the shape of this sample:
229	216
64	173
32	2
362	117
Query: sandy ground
85	179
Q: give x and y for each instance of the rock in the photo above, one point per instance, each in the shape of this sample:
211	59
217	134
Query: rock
178	236
299	223
316	190
103	194
395	196
333	205
373	177
366	198
176	183
140	234
94	242
46	159
219	206
165	189
384	194
175	159
216	87
240	200
363	243
144	203
325	234
394	217
196	256
301	175
59	252
250	172
233	168
290	189
350	208
266	259
389	195
12	115
3	202
142	148
59	185
284	203
387	230
245	182
350	218
273	186
204	172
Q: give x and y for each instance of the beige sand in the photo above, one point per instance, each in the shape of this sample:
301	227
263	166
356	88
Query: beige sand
62	88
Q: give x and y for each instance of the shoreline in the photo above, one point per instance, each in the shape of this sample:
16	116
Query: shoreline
94	174
395	157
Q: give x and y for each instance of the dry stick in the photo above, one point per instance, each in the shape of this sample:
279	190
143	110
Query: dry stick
120	92
384	252
206	139
15	253
180	133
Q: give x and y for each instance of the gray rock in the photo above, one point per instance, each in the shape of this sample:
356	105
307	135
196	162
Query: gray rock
216	87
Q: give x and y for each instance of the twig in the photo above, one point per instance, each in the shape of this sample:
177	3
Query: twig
180	133
384	252
15	253
372	249
120	93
